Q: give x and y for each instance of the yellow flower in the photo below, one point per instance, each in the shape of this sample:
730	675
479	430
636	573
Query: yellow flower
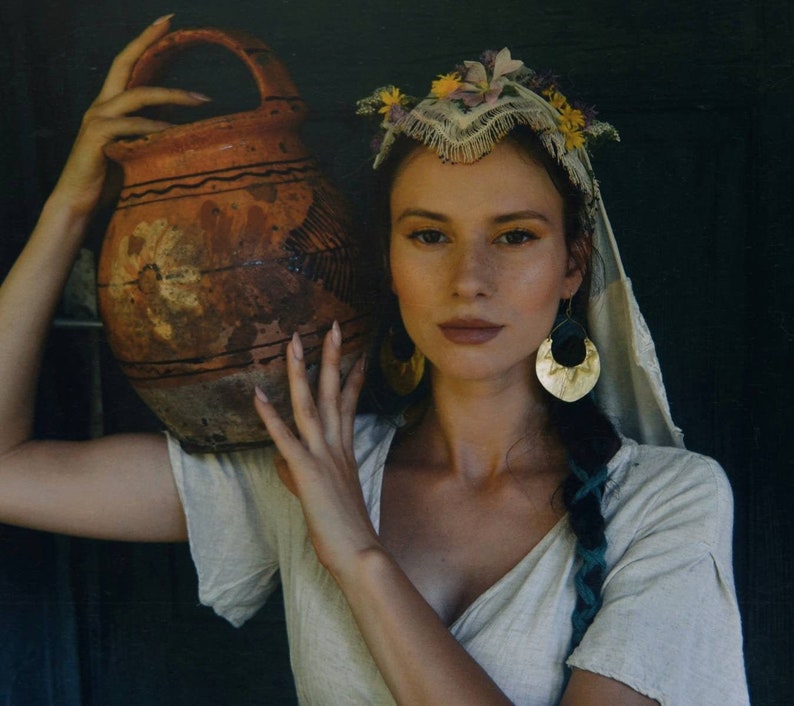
559	101
572	117
390	97
445	84
574	137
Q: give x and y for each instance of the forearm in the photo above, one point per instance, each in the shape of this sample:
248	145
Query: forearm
31	290
420	660
28	298
119	487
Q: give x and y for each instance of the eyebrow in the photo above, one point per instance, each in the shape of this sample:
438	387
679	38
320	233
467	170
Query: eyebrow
528	215
502	218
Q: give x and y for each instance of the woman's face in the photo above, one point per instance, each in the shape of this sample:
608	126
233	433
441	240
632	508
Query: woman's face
478	260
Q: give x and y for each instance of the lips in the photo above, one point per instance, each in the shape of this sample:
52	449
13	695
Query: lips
470	331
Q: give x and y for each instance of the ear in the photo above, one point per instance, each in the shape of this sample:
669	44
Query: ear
573	278
578	262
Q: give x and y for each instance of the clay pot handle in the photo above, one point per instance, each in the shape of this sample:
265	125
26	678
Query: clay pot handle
271	76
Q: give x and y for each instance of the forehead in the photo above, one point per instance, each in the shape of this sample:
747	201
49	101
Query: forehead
506	179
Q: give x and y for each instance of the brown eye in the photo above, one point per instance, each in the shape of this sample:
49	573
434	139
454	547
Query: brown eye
516	237
428	237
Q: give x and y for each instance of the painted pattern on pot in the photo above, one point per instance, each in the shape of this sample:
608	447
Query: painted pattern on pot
225	240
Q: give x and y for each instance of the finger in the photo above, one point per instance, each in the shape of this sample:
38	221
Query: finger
349	401
121	68
87	163
144	96
307	418
104	130
288	445
285	472
86	168
328	393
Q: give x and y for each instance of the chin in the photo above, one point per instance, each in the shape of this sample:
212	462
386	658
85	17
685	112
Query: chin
482	370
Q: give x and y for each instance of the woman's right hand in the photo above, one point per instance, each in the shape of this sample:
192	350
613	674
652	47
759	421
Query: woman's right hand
108	118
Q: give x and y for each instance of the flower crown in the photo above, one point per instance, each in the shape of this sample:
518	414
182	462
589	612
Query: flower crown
473	107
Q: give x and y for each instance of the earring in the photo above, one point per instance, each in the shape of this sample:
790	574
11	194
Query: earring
401	362
568	382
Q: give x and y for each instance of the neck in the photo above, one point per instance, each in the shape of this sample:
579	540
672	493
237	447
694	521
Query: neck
475	429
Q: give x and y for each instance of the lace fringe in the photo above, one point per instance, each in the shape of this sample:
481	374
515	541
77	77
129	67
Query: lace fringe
456	143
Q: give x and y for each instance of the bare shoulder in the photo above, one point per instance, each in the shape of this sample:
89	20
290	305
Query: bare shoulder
118	487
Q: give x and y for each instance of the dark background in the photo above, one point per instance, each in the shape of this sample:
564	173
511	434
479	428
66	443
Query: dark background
699	193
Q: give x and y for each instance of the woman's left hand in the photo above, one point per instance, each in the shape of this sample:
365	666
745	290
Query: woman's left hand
321	466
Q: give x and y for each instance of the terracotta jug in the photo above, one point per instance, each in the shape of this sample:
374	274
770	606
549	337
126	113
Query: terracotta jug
225	240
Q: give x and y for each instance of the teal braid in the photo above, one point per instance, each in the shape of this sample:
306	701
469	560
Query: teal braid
591	441
591	550
591	482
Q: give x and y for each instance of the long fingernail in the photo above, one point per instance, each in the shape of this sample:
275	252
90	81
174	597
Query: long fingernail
164	18
260	394
199	96
362	363
336	334
297	346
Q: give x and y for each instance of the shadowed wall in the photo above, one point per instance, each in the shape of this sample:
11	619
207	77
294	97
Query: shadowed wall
698	192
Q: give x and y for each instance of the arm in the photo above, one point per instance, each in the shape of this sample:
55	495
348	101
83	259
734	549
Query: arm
122	487
420	660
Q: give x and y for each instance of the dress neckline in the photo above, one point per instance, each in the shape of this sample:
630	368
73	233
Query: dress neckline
557	531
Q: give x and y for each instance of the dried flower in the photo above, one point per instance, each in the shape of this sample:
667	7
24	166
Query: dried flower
445	84
495	77
572	117
574	137
556	98
589	111
371	104
391	96
396	113
478	87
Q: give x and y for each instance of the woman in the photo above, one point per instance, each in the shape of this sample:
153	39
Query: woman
458	554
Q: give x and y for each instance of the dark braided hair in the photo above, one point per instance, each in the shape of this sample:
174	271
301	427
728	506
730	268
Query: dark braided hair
591	441
583	429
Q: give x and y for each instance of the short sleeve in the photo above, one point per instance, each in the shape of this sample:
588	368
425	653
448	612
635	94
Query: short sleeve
230	509
669	626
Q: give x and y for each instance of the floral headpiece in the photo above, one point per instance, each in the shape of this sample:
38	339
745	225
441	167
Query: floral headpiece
471	109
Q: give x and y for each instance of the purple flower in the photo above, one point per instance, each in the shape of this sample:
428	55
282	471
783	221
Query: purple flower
396	113
547	78
487	58
377	142
478	88
589	111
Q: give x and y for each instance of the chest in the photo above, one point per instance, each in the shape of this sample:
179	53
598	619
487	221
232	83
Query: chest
454	542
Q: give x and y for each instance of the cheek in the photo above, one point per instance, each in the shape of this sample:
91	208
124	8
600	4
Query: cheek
396	274
538	282
416	294
413	293
408	274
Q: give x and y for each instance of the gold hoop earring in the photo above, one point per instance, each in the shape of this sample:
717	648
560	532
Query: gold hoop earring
567	382
403	374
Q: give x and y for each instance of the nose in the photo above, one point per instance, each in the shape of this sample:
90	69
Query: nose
473	272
